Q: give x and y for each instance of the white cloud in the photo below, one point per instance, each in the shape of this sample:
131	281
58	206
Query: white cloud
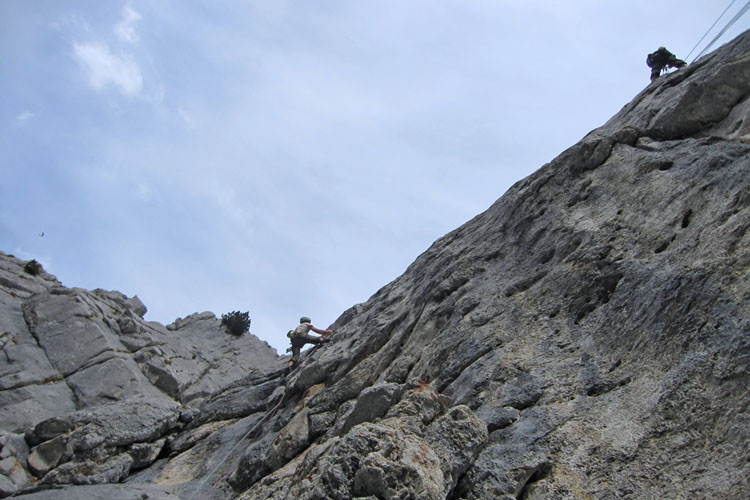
104	67
144	192
125	29
187	118
24	117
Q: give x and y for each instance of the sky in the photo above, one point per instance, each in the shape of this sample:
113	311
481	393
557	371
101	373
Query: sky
291	158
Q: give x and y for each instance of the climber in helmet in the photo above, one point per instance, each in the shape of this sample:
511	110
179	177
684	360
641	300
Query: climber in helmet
300	337
662	59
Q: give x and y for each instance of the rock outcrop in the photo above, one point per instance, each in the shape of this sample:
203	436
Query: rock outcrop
89	391
588	336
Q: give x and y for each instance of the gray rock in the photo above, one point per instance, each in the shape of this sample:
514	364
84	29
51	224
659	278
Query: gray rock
457	438
393	458
144	454
21	408
13	445
13	476
497	416
68	326
127	325
104	491
292	439
194	357
373	403
113	470
115	379
47	455
118	424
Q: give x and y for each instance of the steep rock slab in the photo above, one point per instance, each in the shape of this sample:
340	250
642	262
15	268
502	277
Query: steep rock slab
596	316
74	329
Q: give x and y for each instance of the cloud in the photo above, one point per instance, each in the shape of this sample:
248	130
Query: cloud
104	68
187	119
125	29
24	117
144	192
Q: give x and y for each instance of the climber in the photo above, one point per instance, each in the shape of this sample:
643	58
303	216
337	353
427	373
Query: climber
299	337
662	59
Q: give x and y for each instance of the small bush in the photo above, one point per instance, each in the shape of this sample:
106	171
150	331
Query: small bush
237	322
33	267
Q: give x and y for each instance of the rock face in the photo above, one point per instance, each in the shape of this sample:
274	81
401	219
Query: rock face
588	336
89	391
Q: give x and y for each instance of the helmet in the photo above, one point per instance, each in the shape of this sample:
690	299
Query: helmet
304	319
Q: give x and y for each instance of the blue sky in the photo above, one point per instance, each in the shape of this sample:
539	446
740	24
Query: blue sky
291	158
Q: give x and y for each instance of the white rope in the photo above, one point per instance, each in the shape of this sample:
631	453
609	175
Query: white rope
269	412
729	24
709	29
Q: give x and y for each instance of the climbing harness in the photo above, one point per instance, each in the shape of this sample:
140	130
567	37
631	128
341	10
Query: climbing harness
739	14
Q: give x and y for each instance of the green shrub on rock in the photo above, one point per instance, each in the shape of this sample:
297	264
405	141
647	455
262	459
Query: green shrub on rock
33	267
236	322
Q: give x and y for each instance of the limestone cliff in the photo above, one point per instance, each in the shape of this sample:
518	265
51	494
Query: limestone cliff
588	336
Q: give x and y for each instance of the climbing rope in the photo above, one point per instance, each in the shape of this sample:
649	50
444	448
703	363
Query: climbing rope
709	29
728	25
270	413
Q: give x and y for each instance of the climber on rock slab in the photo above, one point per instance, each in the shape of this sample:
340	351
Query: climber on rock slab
300	337
660	60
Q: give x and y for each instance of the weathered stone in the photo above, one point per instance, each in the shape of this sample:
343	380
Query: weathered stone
196	357
497	416
127	325
127	491
118	424
113	470
373	403
47	455
13	445
188	439
69	329
115	379
189	473
457	437
26	406
13	476
144	454
320	423
292	439
389	459
236	402
421	403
